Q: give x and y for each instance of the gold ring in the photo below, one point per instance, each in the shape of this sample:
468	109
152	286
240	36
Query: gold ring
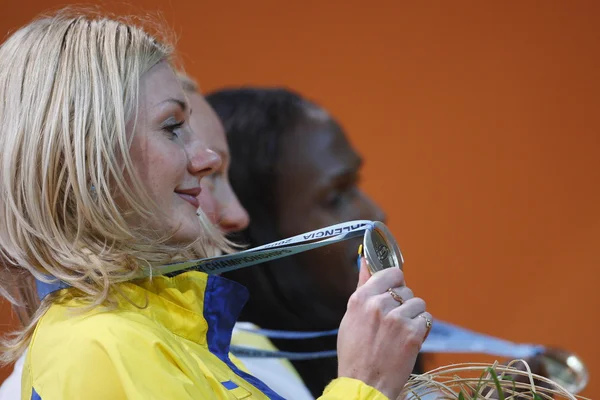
428	324
395	296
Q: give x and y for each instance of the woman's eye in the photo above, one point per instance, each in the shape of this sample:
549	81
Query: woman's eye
335	199
172	129
338	198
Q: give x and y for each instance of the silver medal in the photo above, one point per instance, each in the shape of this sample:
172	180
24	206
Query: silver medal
380	248
566	369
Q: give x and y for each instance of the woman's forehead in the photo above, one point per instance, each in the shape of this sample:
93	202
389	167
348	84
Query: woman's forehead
160	83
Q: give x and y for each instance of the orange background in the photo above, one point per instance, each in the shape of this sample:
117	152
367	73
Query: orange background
479	123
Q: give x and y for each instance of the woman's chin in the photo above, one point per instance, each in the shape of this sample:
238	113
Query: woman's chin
187	232
186	237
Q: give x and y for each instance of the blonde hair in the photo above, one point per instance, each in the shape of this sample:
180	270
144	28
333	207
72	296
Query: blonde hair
69	86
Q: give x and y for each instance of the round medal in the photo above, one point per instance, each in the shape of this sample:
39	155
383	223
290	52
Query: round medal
380	248
566	369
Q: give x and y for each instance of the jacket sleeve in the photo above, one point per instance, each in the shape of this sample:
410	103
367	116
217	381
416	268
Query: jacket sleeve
351	389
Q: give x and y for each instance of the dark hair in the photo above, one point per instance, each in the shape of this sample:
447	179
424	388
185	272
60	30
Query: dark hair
255	119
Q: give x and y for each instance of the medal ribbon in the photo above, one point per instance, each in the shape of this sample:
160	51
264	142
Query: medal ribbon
443	338
246	258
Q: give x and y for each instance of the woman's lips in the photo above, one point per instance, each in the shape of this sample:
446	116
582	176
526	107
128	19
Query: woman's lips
190	195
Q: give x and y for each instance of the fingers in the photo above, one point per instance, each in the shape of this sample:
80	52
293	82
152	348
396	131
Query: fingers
426	316
413	312
412	320
380	281
400	304
363	274
404	292
387	300
424	322
411	308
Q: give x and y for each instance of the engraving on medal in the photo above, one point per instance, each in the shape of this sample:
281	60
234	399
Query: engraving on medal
381	249
382	252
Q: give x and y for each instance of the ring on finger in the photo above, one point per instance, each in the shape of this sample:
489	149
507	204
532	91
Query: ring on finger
428	324
395	296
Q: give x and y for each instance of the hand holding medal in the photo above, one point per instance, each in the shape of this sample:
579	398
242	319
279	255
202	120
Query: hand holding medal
385	325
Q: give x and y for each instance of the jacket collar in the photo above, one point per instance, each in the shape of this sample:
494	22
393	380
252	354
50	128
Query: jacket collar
193	305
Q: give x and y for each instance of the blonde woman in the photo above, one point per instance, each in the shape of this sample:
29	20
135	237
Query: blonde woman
99	180
222	207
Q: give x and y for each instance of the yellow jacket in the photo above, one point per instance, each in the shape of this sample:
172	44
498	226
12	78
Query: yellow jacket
167	339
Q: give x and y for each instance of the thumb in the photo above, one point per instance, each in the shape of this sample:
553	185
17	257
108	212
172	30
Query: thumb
364	274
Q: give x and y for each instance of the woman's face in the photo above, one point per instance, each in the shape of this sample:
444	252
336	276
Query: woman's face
169	156
218	201
318	186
